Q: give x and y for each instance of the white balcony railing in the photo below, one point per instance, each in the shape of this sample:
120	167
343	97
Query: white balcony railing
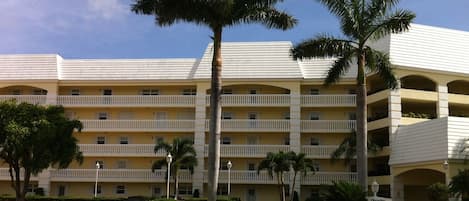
143	101
328	100
255	151
137	150
33	99
253	125
326	178
138	125
253	100
5	174
115	175
327	126
246	177
318	151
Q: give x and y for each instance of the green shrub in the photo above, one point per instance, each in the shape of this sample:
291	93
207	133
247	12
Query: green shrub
438	192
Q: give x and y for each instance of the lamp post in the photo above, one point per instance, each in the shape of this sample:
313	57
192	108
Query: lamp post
98	166
229	165
374	188
169	159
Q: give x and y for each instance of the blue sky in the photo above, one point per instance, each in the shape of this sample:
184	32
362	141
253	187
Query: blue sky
107	28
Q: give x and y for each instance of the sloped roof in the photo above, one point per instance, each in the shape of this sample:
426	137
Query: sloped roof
28	67
252	60
127	69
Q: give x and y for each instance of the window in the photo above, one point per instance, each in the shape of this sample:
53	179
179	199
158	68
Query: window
150	92
189	92
100	140
314	116
16	92
227	115
226	140
185	190
121	164
314	141
101	164
120	189
314	91
103	115
124	140
39	92
75	92
227	91
107	92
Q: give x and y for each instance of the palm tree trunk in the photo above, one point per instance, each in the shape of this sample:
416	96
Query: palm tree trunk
215	116
362	157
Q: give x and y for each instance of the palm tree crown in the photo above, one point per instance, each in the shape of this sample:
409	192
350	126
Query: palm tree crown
361	22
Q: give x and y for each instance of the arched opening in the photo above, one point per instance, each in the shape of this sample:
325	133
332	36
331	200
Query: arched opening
418	82
458	87
414	183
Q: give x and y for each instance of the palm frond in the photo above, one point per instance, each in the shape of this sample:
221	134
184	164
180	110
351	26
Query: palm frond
379	62
339	68
322	46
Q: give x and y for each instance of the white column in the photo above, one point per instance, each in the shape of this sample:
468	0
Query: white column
199	136
295	127
44	181
442	108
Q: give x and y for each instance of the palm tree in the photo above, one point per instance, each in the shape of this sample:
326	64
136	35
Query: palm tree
343	191
348	148
299	163
361	21
278	164
216	15
184	156
459	184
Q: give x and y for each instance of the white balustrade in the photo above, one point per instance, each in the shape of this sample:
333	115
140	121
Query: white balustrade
318	151
115	175
253	99
33	99
138	125
253	125
326	178
144	101
238	150
247	177
328	126
137	150
328	100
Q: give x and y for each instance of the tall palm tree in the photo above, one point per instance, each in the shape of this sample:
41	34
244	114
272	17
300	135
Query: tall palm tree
348	148
183	156
216	15
278	164
299	164
459	184
361	22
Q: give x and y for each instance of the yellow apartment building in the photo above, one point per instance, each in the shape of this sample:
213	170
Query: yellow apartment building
270	103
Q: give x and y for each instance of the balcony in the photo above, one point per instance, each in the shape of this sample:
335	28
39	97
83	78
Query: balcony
5	175
115	175
138	125
326	178
328	100
252	125
120	150
127	101
245	177
318	151
248	151
33	99
258	100
327	126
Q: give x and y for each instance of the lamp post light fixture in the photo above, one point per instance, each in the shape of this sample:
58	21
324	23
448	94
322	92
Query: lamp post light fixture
98	166
229	165
374	188
169	159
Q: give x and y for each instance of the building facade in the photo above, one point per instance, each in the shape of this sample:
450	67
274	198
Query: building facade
270	103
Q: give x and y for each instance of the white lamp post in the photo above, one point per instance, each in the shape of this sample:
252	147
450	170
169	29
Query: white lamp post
98	166
229	165
374	188
169	159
